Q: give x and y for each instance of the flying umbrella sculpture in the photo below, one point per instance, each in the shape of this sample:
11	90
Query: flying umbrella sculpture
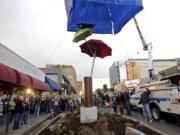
95	48
82	34
106	16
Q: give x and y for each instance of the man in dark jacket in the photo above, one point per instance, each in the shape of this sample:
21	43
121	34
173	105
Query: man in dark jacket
120	102
127	101
144	100
18	112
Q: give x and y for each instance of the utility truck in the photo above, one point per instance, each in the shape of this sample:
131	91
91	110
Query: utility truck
164	98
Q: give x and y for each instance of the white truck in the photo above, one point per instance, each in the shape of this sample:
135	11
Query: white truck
164	98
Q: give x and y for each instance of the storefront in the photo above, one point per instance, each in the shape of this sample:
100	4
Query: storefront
15	82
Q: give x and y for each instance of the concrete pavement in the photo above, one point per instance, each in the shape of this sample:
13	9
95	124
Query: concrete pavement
162	126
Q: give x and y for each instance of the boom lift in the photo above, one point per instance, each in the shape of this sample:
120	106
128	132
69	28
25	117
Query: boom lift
146	47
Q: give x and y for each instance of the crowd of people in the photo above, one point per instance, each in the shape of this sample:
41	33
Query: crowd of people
15	109
120	102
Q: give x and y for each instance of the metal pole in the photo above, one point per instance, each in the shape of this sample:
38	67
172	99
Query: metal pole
93	65
150	61
88	91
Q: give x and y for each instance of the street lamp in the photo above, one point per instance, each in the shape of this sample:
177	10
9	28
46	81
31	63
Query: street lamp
28	91
80	93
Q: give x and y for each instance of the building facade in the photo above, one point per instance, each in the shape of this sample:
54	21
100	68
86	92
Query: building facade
138	68
57	73
79	87
11	59
17	75
69	70
114	74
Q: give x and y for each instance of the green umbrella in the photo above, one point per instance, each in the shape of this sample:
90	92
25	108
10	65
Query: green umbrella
82	34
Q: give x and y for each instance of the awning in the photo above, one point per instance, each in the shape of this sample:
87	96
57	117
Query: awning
7	74
23	79
52	83
37	84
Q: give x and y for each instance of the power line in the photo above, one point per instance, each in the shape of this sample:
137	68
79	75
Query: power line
29	20
126	53
57	47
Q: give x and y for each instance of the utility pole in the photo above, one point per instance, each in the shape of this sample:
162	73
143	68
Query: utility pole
146	47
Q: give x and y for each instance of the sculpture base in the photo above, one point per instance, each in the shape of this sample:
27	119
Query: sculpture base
88	114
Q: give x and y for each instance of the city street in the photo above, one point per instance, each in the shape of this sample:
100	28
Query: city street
162	126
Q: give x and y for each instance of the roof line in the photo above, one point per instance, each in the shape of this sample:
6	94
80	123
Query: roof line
18	55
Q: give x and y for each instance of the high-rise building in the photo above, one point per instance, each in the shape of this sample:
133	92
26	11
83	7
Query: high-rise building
114	74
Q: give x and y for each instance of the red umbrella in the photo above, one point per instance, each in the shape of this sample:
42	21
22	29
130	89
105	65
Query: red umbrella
95	48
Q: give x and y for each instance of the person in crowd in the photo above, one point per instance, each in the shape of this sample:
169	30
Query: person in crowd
32	104
26	110
62	103
70	101
42	106
66	103
114	104
46	108
144	100
18	112
37	105
120	102
1	111
11	108
5	104
56	105
48	100
21	111
94	99
104	99
127	101
107	98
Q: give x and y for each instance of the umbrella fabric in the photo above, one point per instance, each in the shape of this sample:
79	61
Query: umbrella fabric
82	34
96	48
107	16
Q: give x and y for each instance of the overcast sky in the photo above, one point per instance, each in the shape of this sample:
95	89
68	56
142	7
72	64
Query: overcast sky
36	30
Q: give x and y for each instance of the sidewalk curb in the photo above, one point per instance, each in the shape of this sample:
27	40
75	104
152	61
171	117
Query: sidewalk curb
156	130
48	122
34	127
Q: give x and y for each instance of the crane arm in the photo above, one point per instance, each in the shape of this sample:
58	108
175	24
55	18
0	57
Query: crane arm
145	46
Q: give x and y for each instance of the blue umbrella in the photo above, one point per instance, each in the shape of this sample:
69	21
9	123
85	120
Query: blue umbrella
106	16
